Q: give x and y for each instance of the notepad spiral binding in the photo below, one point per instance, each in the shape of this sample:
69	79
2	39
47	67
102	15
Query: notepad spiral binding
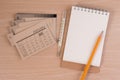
92	10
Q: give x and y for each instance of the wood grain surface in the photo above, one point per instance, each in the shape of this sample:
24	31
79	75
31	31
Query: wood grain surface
46	65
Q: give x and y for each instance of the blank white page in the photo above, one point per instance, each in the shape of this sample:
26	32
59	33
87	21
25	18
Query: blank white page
84	27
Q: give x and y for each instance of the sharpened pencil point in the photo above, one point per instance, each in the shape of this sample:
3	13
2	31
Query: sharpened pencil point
101	33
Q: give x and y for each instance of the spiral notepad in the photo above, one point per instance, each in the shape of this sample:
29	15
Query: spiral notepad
84	26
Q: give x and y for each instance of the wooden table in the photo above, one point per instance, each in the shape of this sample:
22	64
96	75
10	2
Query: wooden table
46	65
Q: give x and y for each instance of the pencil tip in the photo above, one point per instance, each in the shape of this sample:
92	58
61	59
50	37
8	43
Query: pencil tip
101	33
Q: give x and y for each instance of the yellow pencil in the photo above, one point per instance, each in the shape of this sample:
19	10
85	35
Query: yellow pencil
91	57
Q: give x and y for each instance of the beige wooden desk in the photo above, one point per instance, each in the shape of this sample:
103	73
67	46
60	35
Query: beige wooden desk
45	66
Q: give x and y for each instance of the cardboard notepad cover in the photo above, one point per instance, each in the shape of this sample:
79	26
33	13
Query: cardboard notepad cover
69	64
